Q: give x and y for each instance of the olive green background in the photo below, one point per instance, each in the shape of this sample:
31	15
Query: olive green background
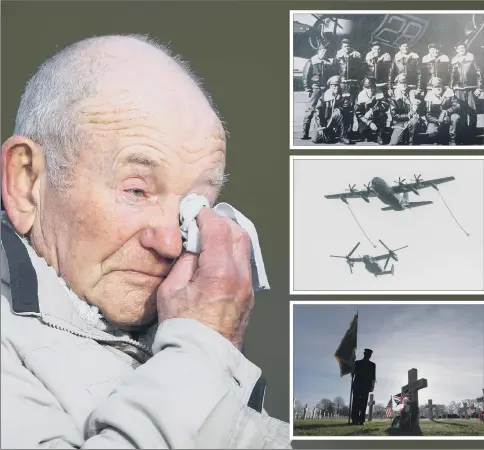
241	50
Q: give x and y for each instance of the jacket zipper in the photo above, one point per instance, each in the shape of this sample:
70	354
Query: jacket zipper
111	340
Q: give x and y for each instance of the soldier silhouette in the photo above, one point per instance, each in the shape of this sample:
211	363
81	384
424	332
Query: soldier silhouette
364	377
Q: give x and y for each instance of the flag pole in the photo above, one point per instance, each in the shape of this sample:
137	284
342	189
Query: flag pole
352	379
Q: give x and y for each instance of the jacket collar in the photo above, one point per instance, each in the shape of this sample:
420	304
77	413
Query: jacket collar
399	56
441	58
37	290
468	57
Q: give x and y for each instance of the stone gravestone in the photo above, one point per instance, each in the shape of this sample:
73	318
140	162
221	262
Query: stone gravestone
305	414
313	415
414	385
466	412
371	402
431	410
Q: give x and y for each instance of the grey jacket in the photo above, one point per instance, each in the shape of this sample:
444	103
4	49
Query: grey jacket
70	382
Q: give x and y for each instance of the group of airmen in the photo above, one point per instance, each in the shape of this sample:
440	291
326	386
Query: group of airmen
434	95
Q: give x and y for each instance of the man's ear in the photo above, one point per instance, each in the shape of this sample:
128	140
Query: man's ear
23	164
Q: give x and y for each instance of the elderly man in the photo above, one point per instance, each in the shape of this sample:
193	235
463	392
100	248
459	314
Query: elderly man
466	82
112	335
405	110
370	111
336	114
441	113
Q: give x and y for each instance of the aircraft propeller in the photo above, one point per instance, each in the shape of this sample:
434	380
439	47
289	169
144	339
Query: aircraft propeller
391	253
401	181
351	188
417	178
348	257
369	189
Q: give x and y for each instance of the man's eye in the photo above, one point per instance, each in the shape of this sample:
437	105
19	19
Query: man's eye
136	192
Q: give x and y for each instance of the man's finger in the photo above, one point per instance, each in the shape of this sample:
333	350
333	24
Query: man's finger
215	233
181	274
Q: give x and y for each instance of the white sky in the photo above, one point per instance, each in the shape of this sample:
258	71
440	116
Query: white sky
439	257
445	343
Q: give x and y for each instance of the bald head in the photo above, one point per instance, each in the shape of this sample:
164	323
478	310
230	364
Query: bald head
119	73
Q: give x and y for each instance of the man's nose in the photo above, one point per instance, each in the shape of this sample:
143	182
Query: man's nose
164	236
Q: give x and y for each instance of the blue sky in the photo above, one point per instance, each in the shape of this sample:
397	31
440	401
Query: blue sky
445	343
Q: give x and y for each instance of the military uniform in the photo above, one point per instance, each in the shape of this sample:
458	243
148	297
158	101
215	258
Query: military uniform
336	115
405	110
408	65
435	67
350	68
442	115
371	109
315	75
465	79
363	383
378	67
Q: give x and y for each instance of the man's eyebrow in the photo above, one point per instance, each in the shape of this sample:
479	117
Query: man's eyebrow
140	159
216	178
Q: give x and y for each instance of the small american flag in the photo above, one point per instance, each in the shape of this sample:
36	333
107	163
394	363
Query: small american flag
389	409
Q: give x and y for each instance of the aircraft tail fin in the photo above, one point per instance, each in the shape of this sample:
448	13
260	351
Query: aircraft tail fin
416	204
389	272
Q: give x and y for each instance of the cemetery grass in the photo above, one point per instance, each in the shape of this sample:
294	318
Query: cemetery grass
340	427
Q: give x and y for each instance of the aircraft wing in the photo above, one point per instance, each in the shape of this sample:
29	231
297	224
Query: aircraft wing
353	194
380	257
409	187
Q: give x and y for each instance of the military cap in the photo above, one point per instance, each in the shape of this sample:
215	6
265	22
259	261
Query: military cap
369	82
435	81
375	43
405	43
367	350
323	45
402	78
336	79
345	41
460	43
432	45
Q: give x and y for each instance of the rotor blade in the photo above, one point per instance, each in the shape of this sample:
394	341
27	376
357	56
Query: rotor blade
386	263
333	256
352	251
396	250
351	269
384	245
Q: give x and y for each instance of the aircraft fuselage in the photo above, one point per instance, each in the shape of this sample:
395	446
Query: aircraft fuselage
371	265
385	194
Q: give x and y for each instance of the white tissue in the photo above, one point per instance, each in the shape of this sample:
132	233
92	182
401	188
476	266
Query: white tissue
191	205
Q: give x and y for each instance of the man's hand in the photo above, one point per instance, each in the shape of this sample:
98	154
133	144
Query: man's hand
310	92
373	126
215	287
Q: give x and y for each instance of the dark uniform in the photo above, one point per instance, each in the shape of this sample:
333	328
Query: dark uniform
336	114
441	113
407	64
315	75
349	66
435	66
378	66
363	384
465	80
405	110
371	107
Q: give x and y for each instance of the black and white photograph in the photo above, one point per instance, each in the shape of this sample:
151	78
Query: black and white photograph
390	78
387	370
387	225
